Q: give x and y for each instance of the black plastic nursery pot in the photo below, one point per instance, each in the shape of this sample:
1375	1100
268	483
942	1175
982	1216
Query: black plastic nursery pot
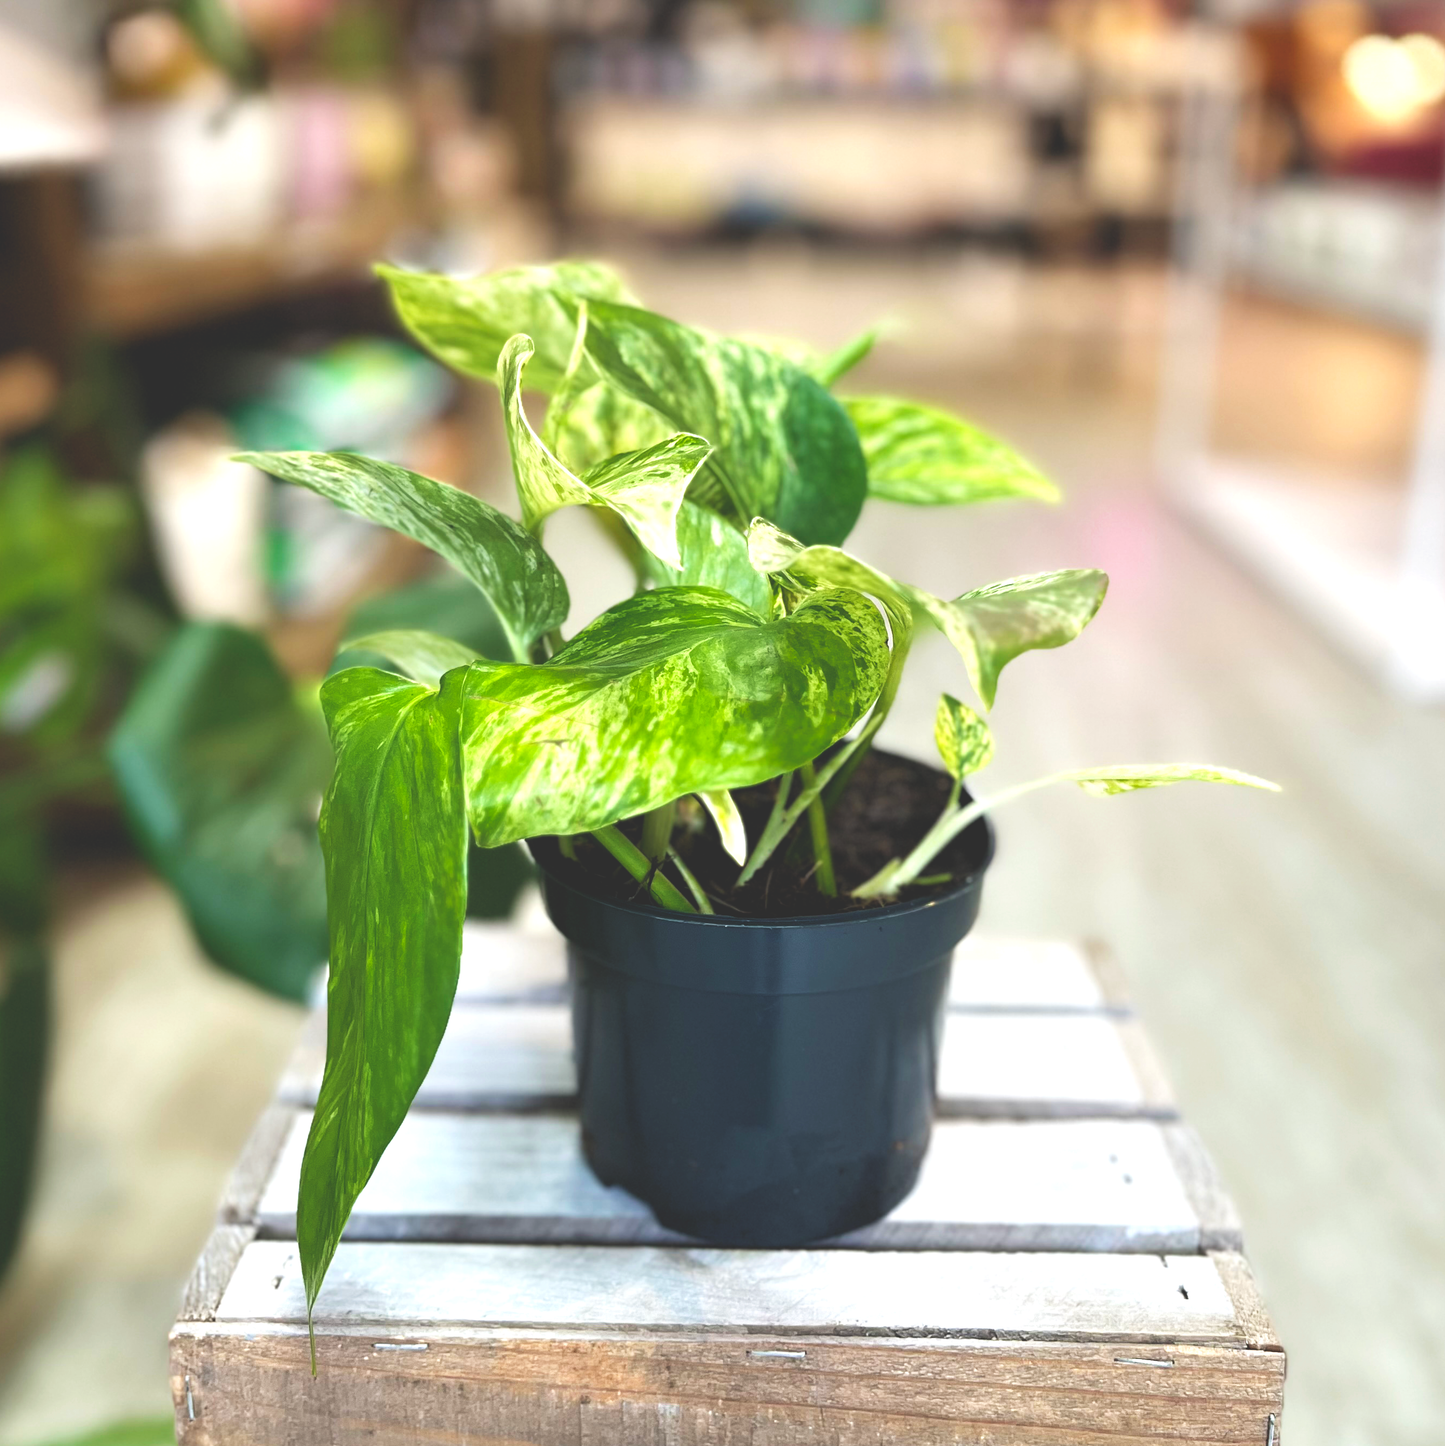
758	1082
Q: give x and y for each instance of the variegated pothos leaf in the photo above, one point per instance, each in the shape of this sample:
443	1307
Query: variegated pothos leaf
466	323
714	554
964	740
644	488
992	625
674	691
785	448
925	456
504	560
1127	777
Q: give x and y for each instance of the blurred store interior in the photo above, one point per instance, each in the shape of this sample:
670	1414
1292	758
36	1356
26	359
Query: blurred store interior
1184	256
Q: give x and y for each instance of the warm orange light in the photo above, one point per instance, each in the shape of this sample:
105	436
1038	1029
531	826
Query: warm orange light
1394	79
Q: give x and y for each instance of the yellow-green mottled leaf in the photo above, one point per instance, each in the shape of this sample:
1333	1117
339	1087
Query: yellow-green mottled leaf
422	656
772	551
394	834
1126	777
503	559
675	691
644	488
964	741
992	625
924	456
714	554
466	323
587	420
785	448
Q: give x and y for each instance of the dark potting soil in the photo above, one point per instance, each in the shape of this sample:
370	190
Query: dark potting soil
887	807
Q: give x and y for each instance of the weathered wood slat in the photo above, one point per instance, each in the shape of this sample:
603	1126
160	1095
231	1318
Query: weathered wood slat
502	964
1063	1272
250	1385
519	1057
1075	1185
1172	1298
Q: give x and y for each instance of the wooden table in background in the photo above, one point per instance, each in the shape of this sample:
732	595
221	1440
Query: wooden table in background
1067	1269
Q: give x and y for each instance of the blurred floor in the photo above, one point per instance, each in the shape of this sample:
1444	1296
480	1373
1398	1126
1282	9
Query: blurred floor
161	1065
1286	950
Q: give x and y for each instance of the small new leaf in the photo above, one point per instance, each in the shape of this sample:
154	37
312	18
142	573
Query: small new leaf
644	488
964	741
504	560
1126	777
927	457
992	625
719	803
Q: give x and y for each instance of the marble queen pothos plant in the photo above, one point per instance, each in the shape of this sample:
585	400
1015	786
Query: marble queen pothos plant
731	475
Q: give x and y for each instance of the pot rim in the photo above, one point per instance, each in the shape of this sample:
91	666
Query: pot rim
874	916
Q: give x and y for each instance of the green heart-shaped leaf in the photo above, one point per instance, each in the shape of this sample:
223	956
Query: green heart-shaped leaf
675	691
992	625
785	448
504	560
466	323
924	456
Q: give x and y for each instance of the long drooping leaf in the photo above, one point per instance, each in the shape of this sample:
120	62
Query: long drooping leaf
504	560
992	625
785	448
644	488
466	323
450	605
221	767
922	455
676	691
393	829
714	554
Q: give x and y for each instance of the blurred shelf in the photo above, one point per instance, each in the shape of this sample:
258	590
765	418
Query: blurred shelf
134	290
1358	249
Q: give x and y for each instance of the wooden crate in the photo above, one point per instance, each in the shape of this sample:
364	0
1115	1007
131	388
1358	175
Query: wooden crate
1068	1269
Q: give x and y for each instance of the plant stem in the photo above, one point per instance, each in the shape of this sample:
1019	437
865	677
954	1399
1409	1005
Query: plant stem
952	822
818	827
704	905
567	847
782	821
657	831
635	862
